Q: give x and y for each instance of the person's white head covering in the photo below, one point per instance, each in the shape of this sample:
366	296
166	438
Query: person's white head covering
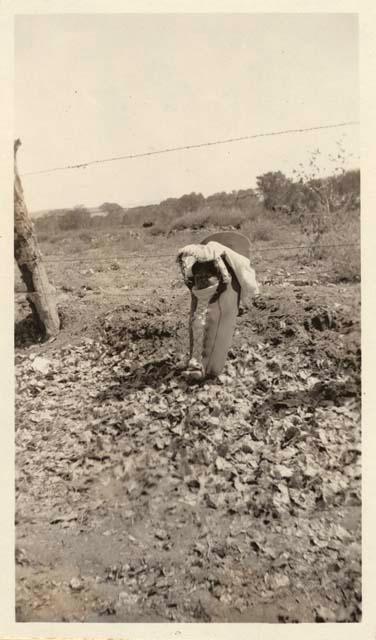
216	252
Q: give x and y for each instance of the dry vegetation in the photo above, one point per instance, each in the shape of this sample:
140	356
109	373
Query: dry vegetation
143	497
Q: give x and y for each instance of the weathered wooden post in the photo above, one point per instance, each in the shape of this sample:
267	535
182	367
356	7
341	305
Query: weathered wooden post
29	259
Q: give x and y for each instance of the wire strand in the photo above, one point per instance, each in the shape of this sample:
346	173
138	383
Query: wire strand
140	256
133	292
131	156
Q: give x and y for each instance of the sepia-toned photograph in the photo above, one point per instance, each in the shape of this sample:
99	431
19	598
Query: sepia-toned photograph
187	318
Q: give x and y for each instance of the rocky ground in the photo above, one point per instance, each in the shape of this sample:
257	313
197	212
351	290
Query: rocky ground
142	496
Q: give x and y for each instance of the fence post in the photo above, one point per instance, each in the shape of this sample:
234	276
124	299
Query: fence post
29	259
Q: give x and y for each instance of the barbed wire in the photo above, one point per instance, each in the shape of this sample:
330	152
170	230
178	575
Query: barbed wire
131	156
180	287
131	292
132	256
135	293
309	246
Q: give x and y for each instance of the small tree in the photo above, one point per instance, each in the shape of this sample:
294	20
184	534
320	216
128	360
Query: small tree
77	218
322	196
115	214
273	188
111	208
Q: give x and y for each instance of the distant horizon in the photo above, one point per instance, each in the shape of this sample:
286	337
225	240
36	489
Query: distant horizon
39	212
98	86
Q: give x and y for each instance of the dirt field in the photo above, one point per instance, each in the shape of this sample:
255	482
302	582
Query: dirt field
143	497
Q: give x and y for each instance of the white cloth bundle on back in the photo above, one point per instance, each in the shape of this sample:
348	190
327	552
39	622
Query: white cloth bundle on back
214	251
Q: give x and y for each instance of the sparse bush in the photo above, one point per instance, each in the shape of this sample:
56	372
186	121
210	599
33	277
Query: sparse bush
210	217
192	220
76	218
338	247
85	236
273	187
260	229
113	209
346	264
158	229
255	211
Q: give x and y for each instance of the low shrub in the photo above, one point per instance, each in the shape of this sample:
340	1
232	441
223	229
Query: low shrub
265	229
338	247
209	217
261	229
158	229
85	236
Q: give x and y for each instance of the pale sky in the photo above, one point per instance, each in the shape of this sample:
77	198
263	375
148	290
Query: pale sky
96	86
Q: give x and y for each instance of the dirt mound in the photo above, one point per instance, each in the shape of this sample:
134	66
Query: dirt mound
145	330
